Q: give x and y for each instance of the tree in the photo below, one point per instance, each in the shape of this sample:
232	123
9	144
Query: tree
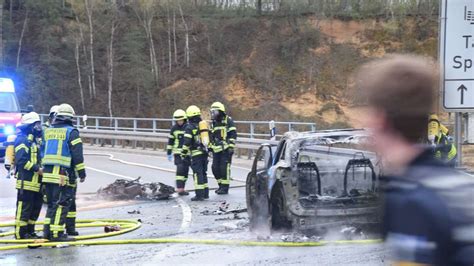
89	11
110	58
144	11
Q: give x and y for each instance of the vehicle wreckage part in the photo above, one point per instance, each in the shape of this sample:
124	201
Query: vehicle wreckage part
125	225
359	163
307	172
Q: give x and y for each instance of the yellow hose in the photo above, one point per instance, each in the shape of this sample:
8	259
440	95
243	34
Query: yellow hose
191	241
130	225
125	227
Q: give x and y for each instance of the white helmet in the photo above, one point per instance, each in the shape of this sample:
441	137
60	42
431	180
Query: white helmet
29	118
54	109
66	110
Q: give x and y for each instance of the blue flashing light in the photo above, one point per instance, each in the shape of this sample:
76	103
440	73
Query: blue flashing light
9	130
6	85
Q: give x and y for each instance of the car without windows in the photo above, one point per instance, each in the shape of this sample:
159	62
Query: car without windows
314	181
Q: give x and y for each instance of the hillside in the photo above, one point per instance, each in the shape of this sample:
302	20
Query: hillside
282	67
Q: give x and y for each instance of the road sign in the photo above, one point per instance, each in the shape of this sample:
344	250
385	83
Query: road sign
457	54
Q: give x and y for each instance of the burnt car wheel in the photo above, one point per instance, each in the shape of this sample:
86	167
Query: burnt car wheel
280	219
257	203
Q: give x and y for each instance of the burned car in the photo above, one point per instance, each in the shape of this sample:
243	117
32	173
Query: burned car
314	181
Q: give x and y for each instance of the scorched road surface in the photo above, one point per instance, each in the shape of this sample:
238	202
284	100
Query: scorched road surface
174	218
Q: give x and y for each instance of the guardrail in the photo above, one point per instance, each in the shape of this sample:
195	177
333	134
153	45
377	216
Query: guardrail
249	129
133	139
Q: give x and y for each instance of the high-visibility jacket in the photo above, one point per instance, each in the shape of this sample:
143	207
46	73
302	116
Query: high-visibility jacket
63	154
445	150
192	144
176	139
56	151
27	163
223	134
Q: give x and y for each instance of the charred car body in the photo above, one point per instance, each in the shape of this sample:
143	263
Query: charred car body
314	181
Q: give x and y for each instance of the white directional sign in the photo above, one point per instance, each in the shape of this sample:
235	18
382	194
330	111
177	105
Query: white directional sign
457	54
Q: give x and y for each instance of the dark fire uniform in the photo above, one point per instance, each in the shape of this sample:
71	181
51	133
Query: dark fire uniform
223	137
193	147
63	163
175	147
28	184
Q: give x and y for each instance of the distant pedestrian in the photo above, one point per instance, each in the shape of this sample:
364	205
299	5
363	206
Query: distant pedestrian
429	207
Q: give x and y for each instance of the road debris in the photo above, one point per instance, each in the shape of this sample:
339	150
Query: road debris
111	228
134	212
296	237
352	232
123	189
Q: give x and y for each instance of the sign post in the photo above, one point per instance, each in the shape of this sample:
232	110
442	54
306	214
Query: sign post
456	54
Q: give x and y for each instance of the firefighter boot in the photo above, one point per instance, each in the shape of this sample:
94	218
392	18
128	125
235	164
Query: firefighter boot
71	227
197	198
62	237
31	232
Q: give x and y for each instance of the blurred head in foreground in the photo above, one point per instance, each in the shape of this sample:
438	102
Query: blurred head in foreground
428	207
398	93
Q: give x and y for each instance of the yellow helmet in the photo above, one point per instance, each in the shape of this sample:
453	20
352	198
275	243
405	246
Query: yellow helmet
66	110
218	106
192	111
179	114
434	117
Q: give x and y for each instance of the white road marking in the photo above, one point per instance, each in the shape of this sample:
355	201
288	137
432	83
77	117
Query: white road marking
187	215
112	158
109	173
185	209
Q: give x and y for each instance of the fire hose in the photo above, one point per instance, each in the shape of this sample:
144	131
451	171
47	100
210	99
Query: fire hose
131	225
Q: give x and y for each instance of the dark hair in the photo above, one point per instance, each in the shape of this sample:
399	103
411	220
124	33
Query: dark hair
403	88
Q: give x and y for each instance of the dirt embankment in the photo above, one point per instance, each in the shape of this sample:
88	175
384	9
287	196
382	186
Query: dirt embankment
277	70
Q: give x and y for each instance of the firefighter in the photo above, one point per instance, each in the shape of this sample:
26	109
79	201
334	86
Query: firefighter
223	136
63	163
28	174
194	150
443	147
175	145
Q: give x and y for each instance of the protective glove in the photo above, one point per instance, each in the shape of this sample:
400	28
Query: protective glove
170	157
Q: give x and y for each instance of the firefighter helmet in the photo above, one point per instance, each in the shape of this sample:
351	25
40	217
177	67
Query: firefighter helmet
54	109
29	118
179	114
66	110
218	106
192	111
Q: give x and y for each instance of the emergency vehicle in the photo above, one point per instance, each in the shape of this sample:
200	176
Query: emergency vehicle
10	112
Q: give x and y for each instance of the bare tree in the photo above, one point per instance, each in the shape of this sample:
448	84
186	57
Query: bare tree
20	41
186	34
110	66
174	38
89	7
146	18
79	79
11	10
170	57
86	55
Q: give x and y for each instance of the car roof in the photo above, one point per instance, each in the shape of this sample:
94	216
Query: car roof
330	133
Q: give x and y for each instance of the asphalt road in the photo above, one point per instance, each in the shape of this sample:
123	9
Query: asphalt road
177	218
